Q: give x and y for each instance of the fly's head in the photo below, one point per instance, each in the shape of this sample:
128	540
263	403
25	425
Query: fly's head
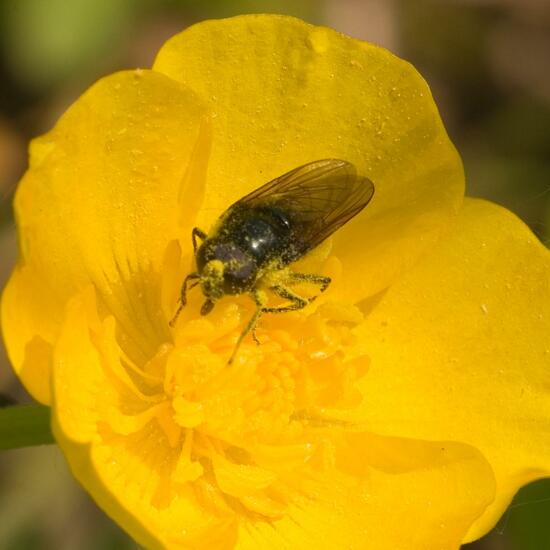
212	284
224	268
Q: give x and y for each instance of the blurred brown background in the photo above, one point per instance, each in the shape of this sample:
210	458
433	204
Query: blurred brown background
488	64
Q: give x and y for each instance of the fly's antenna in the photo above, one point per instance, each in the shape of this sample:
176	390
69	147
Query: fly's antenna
172	322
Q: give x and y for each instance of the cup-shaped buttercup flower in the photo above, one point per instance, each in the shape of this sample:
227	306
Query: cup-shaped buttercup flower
401	409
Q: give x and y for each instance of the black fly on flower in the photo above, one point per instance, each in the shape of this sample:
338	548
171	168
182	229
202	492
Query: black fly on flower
259	236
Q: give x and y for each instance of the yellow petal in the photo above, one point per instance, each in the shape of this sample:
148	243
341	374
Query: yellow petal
380	492
284	93
99	204
390	493
161	497
460	350
241	479
127	474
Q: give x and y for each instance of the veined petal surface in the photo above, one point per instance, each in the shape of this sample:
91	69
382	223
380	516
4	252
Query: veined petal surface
359	491
459	349
99	203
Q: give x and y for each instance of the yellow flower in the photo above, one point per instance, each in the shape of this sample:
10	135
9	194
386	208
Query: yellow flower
401	410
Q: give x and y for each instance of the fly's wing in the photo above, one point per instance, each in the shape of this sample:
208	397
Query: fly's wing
318	198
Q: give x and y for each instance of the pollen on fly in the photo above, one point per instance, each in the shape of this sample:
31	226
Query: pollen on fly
261	234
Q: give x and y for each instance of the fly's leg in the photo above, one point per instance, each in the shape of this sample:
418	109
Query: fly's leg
197	233
183	295
296	302
259	300
321	280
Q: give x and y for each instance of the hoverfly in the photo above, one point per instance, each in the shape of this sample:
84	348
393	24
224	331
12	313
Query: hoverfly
268	229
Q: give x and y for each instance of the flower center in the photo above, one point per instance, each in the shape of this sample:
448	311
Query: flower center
245	434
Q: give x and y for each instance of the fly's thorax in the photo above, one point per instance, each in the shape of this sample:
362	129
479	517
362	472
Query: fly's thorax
224	268
262	232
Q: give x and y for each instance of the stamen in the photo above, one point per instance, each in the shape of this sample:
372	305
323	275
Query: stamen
242	436
187	469
111	356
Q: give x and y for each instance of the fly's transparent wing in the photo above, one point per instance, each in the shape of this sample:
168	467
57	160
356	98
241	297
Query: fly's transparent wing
319	198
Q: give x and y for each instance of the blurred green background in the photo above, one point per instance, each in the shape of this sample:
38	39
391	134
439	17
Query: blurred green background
487	62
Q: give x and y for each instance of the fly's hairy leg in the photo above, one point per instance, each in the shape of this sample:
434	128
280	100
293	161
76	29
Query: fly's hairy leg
296	302
183	295
197	234
296	278
259	300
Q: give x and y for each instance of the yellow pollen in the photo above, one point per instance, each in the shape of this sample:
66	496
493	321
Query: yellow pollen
248	430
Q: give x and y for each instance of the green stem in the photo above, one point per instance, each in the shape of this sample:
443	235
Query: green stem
25	425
